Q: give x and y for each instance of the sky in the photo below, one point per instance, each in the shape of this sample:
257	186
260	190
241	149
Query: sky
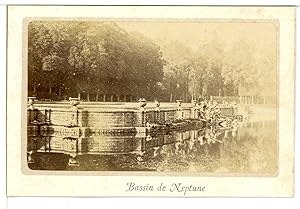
193	34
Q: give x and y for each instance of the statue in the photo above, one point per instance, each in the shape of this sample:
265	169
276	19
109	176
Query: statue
74	112
31	102
179	103
142	104
157	105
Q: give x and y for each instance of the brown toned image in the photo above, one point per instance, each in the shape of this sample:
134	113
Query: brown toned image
150	101
162	95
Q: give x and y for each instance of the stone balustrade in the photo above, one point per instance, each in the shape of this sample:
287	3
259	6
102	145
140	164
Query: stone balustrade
69	128
75	116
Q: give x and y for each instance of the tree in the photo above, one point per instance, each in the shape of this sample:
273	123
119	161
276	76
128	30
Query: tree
46	50
93	57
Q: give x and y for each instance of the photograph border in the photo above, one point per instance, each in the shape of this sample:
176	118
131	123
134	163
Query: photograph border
281	186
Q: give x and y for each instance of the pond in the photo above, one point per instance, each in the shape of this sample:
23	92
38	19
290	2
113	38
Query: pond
241	147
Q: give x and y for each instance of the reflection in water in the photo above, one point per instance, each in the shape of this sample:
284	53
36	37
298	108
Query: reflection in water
238	147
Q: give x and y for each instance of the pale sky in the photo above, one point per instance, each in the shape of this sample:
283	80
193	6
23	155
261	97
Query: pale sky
193	34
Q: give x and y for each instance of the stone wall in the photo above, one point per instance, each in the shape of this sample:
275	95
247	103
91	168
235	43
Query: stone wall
103	119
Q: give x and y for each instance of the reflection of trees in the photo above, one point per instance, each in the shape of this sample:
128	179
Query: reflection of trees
252	150
242	150
198	147
210	149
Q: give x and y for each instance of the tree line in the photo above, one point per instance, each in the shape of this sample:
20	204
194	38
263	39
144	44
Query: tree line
101	58
92	57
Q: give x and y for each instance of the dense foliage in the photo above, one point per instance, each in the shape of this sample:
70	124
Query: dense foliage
93	58
218	70
67	58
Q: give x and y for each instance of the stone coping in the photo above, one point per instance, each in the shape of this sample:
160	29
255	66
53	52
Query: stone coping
103	110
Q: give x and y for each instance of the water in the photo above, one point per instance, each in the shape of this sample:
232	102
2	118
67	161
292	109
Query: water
246	147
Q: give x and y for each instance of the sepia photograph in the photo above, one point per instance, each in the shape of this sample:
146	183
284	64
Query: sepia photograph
157	95
150	101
